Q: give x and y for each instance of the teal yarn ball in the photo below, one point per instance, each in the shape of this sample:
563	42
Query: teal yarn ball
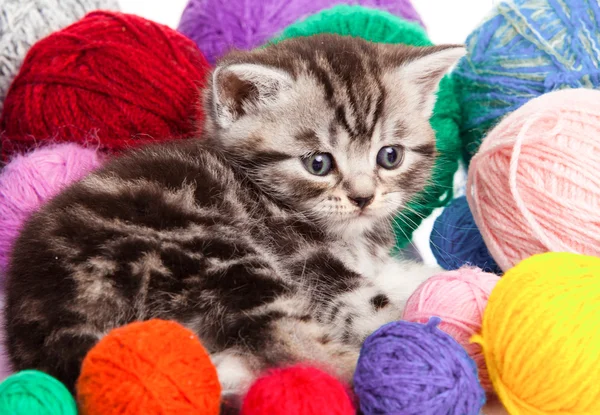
382	27
524	49
35	393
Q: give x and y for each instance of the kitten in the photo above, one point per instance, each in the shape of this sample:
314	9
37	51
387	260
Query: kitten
270	237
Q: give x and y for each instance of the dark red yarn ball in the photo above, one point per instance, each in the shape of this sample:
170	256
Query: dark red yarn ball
297	390
111	80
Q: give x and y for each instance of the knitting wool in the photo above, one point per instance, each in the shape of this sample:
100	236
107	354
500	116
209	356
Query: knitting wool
30	180
383	27
110	80
524	49
297	390
540	336
24	22
151	367
534	186
459	299
416	369
456	241
35	393
217	26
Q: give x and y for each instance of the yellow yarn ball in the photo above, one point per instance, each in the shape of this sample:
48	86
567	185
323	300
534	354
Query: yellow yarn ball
540	336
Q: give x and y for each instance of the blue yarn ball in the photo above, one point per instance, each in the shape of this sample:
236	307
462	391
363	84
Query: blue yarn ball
416	369
524	49
456	241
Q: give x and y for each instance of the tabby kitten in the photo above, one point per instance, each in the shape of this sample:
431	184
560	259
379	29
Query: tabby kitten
269	237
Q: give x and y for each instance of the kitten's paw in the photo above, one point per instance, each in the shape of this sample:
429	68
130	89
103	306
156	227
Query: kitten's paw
341	359
235	372
308	341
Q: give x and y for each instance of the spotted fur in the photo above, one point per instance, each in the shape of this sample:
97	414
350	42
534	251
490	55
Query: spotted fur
229	234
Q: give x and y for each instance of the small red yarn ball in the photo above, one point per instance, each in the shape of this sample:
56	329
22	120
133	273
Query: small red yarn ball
154	367
111	81
297	390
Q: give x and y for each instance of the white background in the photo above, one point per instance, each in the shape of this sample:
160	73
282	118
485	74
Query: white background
447	21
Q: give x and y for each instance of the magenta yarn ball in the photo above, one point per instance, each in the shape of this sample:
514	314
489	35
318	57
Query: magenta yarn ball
218	26
29	180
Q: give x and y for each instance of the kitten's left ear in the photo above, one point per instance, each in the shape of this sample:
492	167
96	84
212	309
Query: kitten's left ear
422	74
241	89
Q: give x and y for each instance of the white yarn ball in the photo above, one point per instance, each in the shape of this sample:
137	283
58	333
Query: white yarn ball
24	22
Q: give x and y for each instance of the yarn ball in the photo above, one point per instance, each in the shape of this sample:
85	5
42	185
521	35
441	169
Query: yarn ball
540	335
524	49
416	369
111	80
150	367
24	22
383	27
456	241
35	393
534	186
31	179
218	26
297	390
459	298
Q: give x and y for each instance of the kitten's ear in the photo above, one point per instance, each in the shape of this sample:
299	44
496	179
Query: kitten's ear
239	89
423	73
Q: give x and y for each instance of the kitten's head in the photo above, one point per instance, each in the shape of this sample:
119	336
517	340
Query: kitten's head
336	127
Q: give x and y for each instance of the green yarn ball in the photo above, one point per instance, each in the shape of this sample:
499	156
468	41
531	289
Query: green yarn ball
35	393
382	27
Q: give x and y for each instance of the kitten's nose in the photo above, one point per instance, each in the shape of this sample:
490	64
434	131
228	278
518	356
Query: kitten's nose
361	202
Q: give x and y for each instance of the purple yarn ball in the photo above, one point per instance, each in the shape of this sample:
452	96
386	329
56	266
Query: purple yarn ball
218	26
416	369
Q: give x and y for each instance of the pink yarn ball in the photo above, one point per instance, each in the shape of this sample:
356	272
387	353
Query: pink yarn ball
31	179
534	185
459	298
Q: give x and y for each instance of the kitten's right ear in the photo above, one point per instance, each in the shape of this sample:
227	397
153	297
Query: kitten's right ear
240	89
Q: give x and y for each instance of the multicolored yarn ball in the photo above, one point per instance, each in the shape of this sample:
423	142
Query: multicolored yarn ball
540	336
110	80
383	27
416	369
24	22
524	49
459	299
297	390
456	241
31	179
35	393
153	367
534	186
218	26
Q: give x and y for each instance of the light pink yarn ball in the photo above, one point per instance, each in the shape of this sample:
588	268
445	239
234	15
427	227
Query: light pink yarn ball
534	185
459	298
31	179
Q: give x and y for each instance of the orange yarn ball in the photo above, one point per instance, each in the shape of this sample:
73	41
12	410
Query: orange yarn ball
459	298
152	367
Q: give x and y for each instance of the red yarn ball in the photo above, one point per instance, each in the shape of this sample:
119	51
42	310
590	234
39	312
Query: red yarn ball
112	80
297	390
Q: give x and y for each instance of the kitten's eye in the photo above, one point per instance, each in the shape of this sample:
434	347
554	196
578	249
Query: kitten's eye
319	164
390	157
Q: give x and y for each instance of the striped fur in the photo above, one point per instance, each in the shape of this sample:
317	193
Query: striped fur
230	235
